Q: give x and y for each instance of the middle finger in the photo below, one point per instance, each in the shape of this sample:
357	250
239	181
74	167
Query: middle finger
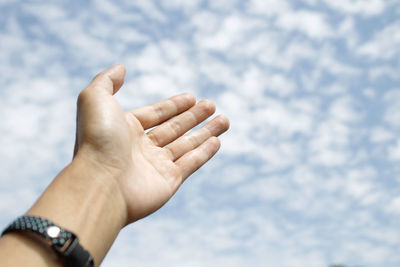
178	125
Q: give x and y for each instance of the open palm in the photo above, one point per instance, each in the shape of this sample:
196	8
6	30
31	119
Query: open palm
149	150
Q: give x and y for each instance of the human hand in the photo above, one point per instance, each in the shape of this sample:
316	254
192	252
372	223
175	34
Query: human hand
148	167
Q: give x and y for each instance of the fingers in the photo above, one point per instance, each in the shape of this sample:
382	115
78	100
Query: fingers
194	139
109	80
154	114
193	160
177	126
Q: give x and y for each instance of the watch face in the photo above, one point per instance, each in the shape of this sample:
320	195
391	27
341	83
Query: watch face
53	231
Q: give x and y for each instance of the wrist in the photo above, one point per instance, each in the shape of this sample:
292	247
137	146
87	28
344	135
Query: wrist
85	199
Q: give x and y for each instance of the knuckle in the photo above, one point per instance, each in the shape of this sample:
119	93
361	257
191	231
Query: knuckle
154	138
175	126
82	97
170	154
208	105
158	112
195	160
98	75
190	98
192	140
223	121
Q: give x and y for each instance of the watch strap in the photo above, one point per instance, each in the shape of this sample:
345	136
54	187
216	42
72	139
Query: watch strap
63	242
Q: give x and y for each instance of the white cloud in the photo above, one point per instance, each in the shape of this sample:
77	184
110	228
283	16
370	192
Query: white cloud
369	92
394	151
198	19
392	106
277	115
267	188
334	66
380	135
149	9
268	7
231	31
311	23
347	28
394	206
266	48
47	12
126	35
364	7
280	85
359	183
219	73
343	110
307	105
30	112
383	72
368	253
257	83
384	45
235	175
187	6
26	194
330	157
222	5
279	156
329	143
156	84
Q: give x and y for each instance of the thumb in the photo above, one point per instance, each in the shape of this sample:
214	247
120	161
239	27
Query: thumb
109	80
91	101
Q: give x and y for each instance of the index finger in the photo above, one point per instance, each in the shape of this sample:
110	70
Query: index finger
157	113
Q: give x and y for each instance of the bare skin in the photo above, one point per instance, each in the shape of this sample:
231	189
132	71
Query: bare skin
121	171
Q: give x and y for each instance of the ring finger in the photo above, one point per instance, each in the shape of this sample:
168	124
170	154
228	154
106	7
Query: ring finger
192	140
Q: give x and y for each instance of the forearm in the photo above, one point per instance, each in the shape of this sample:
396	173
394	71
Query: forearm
83	199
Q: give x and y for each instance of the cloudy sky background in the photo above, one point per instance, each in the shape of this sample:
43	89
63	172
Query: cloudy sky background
309	173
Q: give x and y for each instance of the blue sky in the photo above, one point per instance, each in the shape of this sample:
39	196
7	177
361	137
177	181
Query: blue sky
308	174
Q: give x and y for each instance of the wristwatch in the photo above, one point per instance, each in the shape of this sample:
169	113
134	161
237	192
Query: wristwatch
63	242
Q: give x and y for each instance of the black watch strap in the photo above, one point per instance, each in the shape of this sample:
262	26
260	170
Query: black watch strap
65	243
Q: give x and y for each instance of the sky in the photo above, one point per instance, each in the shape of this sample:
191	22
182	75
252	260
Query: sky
308	174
